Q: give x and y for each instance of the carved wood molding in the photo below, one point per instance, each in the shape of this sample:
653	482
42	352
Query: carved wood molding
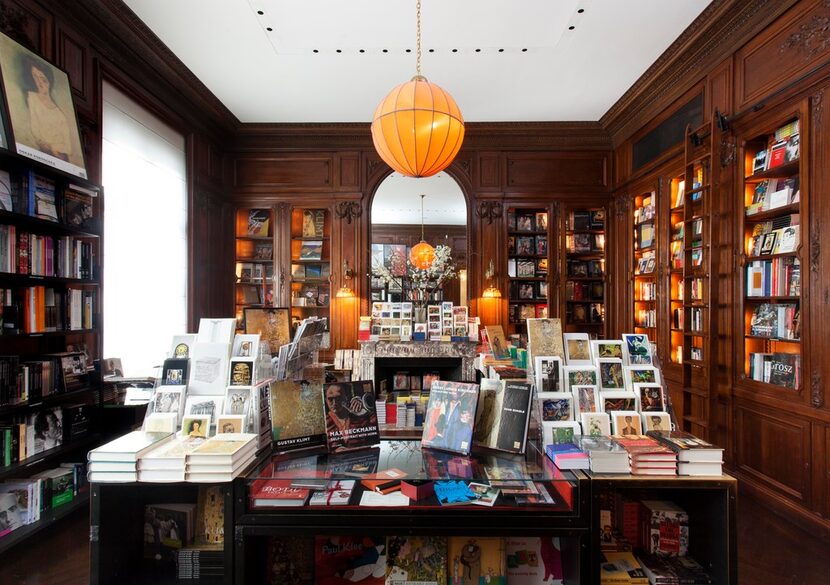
622	204
13	23
815	247
489	210
812	37
818	105
348	210
816	393
721	29
728	150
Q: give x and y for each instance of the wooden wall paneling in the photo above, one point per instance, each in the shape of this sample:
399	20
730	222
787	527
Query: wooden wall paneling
818	240
720	97
488	242
774	450
74	56
212	275
489	172
796	44
345	313
30	24
347	177
558	171
282	173
619	258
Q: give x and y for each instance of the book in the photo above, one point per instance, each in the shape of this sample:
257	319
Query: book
503	415
350	415
453	493
531	561
258	222
343	560
297	416
166	527
665	528
497	342
289	560
670	570
450	416
277	493
476	560
336	493
544	338
224	449
688	447
416	560
622	568
129	447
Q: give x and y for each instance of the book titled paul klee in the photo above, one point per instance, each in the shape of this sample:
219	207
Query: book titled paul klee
345	560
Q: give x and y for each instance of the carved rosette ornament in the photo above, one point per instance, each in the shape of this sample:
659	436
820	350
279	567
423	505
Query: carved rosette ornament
348	210
811	38
372	165
816	394
489	210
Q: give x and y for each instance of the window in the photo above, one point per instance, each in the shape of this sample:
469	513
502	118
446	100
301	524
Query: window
145	234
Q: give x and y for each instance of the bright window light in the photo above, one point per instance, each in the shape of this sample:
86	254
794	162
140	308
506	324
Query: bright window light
145	235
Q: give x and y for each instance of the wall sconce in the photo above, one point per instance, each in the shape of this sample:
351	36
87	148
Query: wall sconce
491	292
345	291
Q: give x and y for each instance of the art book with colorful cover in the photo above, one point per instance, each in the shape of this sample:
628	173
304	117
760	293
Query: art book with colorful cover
450	416
297	419
289	560
497	342
345	560
350	415
503	415
268	493
531	561
223	449
416	560
475	560
544	337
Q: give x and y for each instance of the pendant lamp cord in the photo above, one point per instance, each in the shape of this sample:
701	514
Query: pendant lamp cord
418	40
422	213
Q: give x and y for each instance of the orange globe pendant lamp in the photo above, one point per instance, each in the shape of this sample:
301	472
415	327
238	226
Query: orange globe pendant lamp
422	255
418	128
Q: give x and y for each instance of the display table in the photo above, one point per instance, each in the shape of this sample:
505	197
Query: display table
457	355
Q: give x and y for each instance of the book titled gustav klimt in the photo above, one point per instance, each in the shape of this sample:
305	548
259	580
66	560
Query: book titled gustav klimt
297	418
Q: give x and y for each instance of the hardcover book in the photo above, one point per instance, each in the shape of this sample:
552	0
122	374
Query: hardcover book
474	560
297	417
344	560
416	560
531	561
258	222
688	447
350	415
450	415
268	493
128	447
497	342
544	338
289	560
503	415
78	209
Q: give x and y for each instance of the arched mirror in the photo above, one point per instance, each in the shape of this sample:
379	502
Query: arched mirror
397	227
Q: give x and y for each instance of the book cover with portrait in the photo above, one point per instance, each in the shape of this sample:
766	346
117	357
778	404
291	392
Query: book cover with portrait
450	416
350	415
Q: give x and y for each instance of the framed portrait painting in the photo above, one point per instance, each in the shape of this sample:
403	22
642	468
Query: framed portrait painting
41	111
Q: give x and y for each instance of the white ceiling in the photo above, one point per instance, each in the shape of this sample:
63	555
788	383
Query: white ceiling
502	60
398	201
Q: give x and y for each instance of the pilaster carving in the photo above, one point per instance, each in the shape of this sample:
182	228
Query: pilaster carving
489	210
623	205
818	105
348	210
466	167
728	150
815	248
372	166
816	394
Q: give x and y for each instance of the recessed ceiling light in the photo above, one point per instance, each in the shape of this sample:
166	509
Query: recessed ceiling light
501	50
571	27
478	50
339	51
455	50
432	50
362	50
260	12
580	11
315	50
524	50
386	50
268	28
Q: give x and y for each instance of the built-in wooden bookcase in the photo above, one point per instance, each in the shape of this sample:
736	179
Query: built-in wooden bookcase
529	267
645	264
583	269
677	189
310	250
771	311
254	229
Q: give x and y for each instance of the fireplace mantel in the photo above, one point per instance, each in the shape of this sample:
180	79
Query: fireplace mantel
463	350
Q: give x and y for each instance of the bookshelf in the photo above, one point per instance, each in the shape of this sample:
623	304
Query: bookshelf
51	245
529	254
771	283
677	189
584	283
310	250
254	230
645	264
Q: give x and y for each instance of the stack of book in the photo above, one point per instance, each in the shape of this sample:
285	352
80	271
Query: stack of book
117	460
203	561
662	570
568	456
621	568
694	456
605	456
646	456
167	462
221	458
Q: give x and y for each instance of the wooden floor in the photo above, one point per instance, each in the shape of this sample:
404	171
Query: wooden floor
770	550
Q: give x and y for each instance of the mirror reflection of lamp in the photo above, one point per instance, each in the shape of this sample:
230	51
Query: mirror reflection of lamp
422	255
345	291
491	292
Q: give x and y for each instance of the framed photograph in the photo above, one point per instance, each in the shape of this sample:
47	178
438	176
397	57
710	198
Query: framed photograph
651	397
636	349
613	400
230	423
595	424
209	406
560	432
598	219
640	375
237	401
555	406
626	422
580	376
656	421
548	373
577	349
650	265
41	111
611	374
586	399
175	371
511	245
607	348
271	324
196	426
